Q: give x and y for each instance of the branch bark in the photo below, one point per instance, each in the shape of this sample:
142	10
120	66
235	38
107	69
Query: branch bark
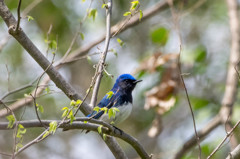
107	129
235	154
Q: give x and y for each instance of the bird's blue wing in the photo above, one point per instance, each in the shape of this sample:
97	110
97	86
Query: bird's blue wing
105	102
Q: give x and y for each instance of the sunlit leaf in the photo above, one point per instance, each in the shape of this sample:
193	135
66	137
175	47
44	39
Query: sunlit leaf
140	15
93	13
104	137
52	127
21	131
100	129
121	43
30	18
40	108
96	109
104	5
127	14
11	121
45	134
105	109
134	5
110	94
110	113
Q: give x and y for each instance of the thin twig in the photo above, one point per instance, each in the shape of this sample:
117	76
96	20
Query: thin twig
19	14
104	54
225	138
176	22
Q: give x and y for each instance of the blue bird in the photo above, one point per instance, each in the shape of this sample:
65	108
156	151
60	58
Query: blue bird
121	98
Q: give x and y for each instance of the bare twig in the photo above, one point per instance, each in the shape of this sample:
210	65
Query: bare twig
176	22
104	54
19	14
225	138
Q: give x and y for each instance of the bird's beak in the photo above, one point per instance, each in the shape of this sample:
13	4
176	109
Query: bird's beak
137	81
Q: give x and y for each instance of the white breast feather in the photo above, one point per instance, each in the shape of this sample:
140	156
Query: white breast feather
124	112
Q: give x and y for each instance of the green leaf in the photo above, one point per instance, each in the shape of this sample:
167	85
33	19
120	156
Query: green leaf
105	109
65	108
115	109
96	109
40	108
104	5
11	121
93	13
45	134
52	44
65	113
72	103
112	123
134	5
127	14
71	117
53	127
199	103
200	54
140	15
78	102
21	131
89	59
85	122
18	146
121	43
104	137
110	94
82	35
47	89
160	36
30	18
100	129
110	113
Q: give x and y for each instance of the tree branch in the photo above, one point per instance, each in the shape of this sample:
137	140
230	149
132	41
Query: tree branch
92	125
235	154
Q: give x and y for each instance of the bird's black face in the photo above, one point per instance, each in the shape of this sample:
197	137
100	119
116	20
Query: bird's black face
128	85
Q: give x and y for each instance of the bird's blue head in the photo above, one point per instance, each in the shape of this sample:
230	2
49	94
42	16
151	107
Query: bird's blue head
126	83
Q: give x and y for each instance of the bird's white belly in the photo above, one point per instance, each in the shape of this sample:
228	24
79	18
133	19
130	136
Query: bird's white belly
124	112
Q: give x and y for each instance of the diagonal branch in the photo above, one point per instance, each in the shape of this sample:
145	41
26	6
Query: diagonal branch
101	63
